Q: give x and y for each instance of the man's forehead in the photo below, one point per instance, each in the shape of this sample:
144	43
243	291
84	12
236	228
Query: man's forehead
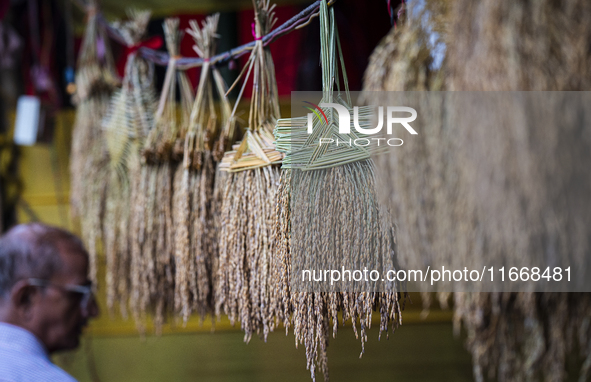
74	262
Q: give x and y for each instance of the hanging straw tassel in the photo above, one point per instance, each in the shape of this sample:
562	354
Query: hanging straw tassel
95	81
247	189
127	123
194	185
327	201
513	45
404	61
529	336
152	227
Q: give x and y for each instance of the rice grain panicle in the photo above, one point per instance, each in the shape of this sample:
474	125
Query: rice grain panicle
194	181
247	187
152	226
126	125
328	217
539	207
95	82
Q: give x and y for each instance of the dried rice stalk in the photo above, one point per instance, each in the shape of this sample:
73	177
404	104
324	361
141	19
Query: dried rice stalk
512	45
518	45
152	226
257	148
194	182
327	202
127	123
95	81
403	62
312	311
247	189
540	45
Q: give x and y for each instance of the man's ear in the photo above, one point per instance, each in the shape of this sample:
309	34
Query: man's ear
22	296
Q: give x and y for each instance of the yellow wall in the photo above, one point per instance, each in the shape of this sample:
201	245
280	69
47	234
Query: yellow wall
43	169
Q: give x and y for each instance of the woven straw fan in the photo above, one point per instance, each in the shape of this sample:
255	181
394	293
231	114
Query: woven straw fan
96	70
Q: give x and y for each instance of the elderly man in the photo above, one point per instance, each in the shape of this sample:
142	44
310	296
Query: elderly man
46	300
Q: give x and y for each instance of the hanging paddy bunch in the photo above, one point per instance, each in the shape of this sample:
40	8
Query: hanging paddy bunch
194	215
535	202
545	171
327	200
95	82
247	189
126	126
152	226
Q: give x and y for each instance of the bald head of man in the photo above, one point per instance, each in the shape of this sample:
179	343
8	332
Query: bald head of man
44	287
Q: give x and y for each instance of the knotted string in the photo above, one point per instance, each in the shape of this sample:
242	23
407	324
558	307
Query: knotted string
152	43
254	33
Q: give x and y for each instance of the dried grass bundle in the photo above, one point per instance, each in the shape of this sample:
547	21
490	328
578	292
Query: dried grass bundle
247	189
542	45
152	224
403	61
353	236
194	182
95	81
126	125
329	217
519	45
95	72
530	171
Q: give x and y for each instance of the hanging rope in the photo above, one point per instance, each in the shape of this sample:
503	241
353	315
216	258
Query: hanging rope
298	21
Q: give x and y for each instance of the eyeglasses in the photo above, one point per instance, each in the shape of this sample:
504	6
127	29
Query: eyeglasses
85	291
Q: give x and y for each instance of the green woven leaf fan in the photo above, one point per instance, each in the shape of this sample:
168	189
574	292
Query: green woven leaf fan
126	125
329	216
247	184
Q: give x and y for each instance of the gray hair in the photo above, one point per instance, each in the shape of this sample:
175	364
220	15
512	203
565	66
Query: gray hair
33	251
